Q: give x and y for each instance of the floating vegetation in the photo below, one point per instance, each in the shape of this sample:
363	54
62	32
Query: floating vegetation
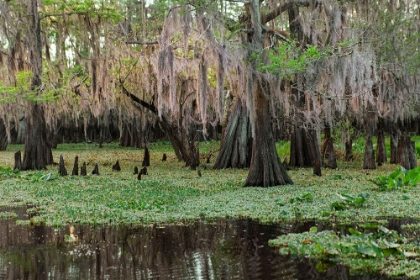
7	215
383	251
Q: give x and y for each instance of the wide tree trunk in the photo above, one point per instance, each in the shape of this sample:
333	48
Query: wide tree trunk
266	169
304	148
406	152
369	155
394	136
380	148
327	149
236	146
38	153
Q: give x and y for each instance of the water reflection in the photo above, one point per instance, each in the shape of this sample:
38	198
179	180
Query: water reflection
220	250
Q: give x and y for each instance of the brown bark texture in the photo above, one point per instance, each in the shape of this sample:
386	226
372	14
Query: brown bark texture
327	150
38	153
380	148
266	169
236	146
61	168
75	170
18	161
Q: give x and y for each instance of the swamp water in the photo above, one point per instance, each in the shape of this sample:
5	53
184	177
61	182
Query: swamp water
223	249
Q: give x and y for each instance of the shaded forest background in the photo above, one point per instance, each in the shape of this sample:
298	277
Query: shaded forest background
247	73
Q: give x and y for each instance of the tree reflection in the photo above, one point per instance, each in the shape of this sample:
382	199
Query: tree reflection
218	250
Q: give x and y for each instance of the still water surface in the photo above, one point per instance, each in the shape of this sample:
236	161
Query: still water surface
220	250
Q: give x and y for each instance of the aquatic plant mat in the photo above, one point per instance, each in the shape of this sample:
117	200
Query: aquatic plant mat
171	194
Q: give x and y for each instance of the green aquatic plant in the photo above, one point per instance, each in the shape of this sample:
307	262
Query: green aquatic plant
7	215
8	172
399	179
349	201
371	252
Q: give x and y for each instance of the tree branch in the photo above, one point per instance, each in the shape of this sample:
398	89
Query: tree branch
143	103
142	42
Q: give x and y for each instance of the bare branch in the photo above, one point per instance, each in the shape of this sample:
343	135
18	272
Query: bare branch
142	42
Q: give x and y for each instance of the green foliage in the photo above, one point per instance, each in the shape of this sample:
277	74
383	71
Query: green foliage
286	60
7	215
94	8
308	197
349	201
361	252
8	172
399	179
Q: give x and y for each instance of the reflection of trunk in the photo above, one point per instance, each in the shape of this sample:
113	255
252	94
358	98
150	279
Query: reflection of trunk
38	152
235	148
266	169
327	149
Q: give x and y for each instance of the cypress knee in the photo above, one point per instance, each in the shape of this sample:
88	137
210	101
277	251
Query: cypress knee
75	171
83	171
18	161
146	159
116	166
95	170
61	168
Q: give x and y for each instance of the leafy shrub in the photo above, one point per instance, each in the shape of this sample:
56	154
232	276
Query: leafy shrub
398	179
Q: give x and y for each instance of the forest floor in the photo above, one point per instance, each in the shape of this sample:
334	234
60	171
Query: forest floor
172	193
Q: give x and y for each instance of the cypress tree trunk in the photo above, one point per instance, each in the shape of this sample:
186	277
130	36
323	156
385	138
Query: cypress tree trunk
380	148
349	149
304	148
266	169
369	155
406	152
38	153
395	135
412	155
327	150
235	148
3	136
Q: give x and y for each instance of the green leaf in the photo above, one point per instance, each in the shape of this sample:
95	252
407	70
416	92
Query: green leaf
366	250
354	231
313	229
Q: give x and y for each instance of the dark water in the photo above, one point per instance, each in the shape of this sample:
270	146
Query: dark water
220	250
